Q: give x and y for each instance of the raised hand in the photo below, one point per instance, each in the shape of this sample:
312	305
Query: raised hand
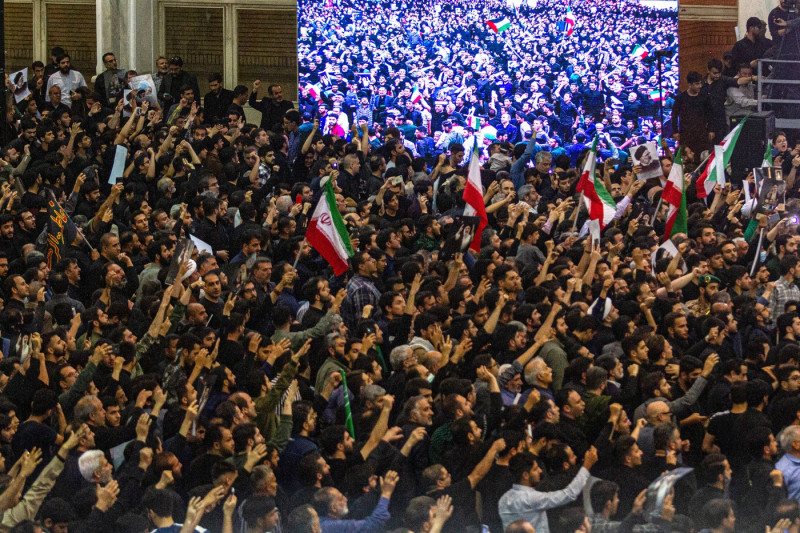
388	483
143	427
107	496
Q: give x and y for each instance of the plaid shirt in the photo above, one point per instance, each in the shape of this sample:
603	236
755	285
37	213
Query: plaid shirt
784	291
601	524
361	291
634	523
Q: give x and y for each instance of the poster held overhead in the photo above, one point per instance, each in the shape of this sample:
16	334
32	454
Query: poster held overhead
119	164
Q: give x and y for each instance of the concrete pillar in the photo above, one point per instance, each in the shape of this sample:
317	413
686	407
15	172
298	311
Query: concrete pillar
125	27
40	50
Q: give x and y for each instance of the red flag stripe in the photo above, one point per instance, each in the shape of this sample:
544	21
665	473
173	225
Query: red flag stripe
320	243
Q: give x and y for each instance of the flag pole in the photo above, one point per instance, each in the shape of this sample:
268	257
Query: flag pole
347	410
77	228
300	251
658	207
758	253
577	213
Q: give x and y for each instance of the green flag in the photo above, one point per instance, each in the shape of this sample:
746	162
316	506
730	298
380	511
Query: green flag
767	156
348	413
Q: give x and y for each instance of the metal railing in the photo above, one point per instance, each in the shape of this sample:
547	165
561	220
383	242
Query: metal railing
781	122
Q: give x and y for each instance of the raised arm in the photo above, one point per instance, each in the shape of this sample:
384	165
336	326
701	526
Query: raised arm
482	468
126	129
310	138
381	426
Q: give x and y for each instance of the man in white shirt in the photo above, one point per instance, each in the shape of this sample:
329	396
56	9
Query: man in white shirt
69	80
741	98
524	502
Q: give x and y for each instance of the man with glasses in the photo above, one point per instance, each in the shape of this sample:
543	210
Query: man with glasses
109	84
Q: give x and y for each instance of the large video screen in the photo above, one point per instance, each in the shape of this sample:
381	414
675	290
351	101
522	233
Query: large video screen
441	70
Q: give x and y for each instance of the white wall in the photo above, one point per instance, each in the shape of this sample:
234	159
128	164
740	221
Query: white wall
754	8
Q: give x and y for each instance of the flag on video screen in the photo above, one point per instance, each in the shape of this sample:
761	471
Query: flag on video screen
656	95
474	122
569	22
416	96
640	52
314	91
499	25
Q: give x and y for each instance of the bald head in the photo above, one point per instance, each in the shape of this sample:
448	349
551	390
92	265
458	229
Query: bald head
196	313
654	409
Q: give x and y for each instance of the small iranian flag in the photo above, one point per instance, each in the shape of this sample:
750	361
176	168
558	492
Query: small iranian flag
314	91
327	233
416	96
569	22
717	163
640	52
473	197
598	200
474	122
767	157
656	95
674	195
499	25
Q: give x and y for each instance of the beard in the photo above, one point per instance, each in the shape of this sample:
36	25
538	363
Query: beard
327	481
106	477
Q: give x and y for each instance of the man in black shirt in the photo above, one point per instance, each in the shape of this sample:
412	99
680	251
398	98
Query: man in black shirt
174	82
272	107
619	132
110	83
716	88
217	101
690	115
752	46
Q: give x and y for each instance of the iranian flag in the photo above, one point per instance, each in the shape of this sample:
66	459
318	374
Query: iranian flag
598	200
499	25
314	91
474	122
473	196
640	52
717	163
767	157
327	233
569	22
416	96
674	195
656	95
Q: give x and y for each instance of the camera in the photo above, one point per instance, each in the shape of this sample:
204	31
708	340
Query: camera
792	6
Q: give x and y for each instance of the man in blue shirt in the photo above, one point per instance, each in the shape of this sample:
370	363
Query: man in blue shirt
331	506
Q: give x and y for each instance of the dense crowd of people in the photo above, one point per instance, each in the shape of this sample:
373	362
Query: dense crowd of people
439	73
539	383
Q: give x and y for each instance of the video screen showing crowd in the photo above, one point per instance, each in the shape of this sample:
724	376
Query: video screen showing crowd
444	71
353	317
